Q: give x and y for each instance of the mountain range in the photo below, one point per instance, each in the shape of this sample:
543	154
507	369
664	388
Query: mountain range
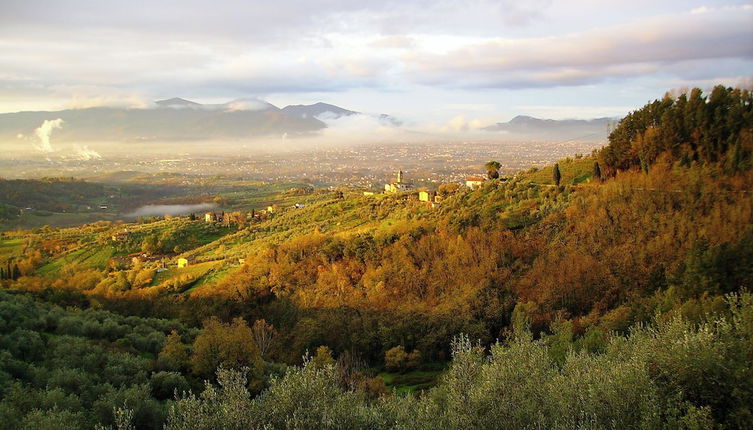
176	119
180	120
527	127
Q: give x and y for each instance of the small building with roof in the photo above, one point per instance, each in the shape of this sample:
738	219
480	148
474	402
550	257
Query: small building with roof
474	181
398	186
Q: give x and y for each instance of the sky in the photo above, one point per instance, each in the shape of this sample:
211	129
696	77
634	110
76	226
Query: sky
454	64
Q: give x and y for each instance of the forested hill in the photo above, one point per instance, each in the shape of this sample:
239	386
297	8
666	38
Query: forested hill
570	259
691	128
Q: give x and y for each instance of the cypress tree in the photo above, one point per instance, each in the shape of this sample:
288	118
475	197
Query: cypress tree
597	171
556	175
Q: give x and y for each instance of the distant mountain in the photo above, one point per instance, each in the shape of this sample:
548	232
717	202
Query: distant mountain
175	119
316	110
527	127
177	102
389	120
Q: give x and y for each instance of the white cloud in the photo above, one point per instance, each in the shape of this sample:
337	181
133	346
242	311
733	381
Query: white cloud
84	153
246	105
572	111
113	54
702	9
630	50
44	131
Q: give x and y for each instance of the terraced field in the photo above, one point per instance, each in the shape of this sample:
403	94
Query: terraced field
9	247
90	257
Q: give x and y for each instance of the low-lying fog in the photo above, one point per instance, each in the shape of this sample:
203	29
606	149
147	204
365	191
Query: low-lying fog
159	210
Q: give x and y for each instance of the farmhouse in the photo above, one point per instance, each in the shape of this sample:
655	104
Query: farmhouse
426	196
474	181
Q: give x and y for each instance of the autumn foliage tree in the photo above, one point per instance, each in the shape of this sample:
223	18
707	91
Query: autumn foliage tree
230	346
174	355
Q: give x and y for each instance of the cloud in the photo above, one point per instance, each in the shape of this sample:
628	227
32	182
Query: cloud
105	98
459	123
84	153
355	128
44	131
117	54
246	105
159	210
572	111
636	49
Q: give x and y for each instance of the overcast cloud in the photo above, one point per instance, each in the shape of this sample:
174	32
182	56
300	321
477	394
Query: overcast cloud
419	59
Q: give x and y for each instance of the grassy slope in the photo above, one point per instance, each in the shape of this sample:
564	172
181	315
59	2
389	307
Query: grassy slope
86	257
411	382
223	246
10	247
123	193
573	171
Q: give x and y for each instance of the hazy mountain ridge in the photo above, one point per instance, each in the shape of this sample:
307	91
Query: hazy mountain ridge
175	119
178	119
528	127
317	109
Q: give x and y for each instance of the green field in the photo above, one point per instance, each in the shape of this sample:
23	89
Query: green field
9	247
573	171
36	219
90	257
411	382
195	271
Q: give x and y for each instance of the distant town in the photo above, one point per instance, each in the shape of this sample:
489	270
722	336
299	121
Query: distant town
369	167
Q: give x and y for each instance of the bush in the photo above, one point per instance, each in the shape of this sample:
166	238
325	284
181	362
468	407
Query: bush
397	360
168	385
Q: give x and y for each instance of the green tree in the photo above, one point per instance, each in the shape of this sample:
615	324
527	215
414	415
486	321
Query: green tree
492	169
597	172
556	175
150	244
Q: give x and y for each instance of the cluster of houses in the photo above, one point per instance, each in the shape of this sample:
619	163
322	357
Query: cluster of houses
400	185
160	262
228	218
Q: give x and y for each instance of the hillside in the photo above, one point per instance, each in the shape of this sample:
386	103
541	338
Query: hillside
620	292
118	196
